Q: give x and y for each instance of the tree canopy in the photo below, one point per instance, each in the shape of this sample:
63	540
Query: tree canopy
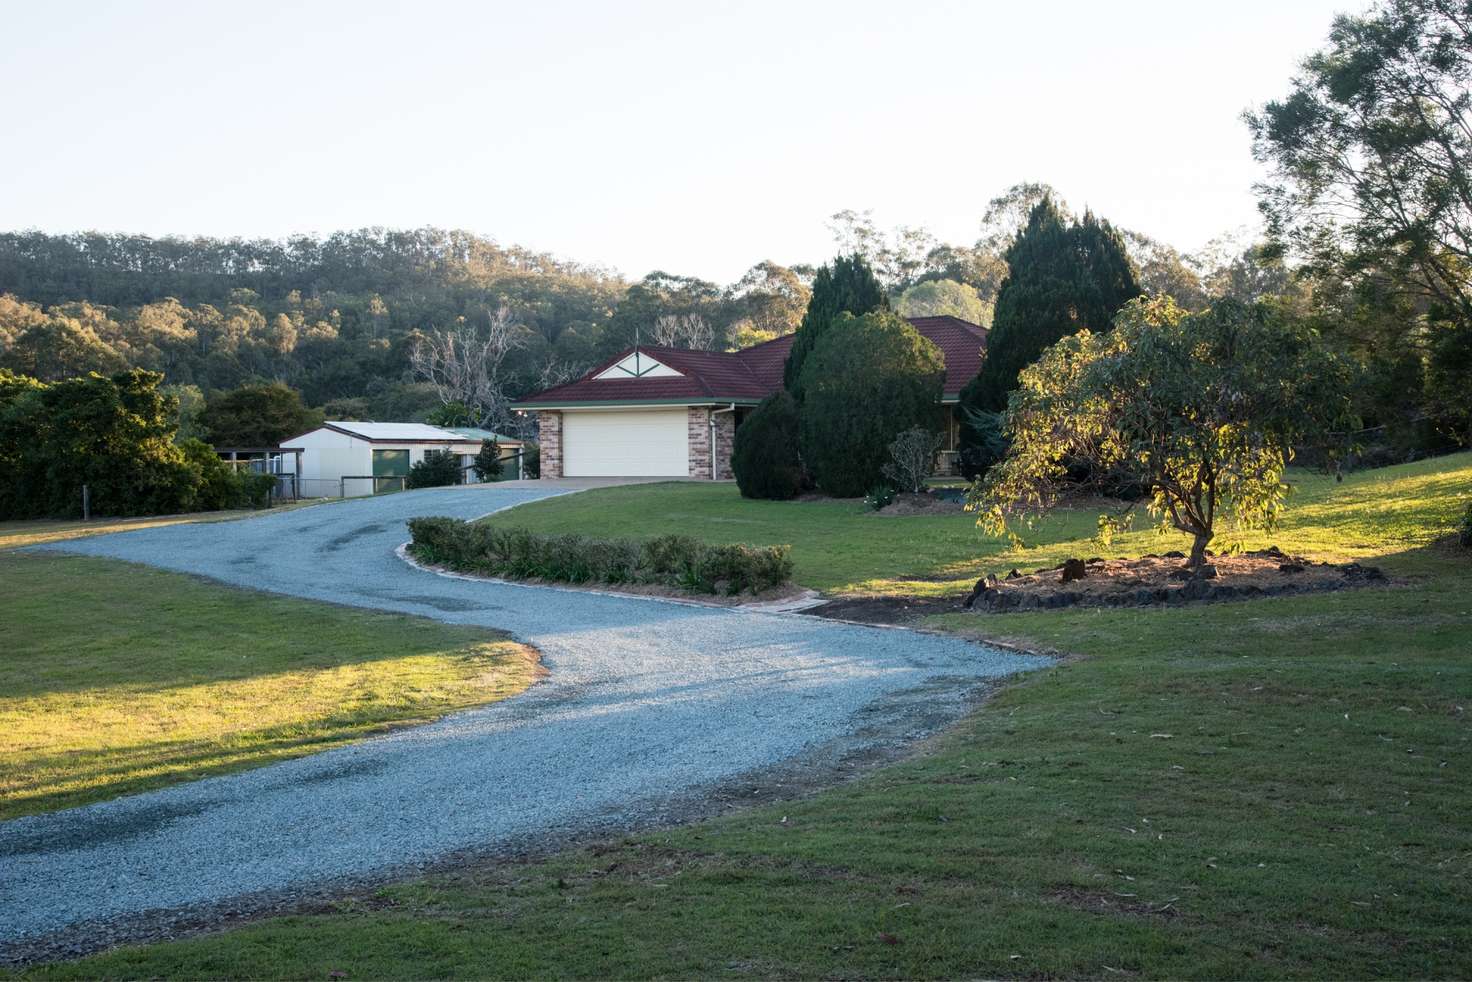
1204	411
846	286
868	379
257	416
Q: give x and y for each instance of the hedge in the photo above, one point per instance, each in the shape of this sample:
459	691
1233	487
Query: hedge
670	560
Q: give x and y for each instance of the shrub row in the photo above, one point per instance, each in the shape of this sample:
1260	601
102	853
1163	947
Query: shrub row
670	560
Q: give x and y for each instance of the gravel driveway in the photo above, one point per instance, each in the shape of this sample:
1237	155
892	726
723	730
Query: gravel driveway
648	705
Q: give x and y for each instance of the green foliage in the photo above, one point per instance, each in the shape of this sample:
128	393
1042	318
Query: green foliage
868	379
1204	411
1064	277
260	415
935	298
452	414
764	453
531	460
488	461
222	486
983	441
670	560
846	286
437	469
1464	526
880	496
115	435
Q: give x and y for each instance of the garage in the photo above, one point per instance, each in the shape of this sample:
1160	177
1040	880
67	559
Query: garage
627	443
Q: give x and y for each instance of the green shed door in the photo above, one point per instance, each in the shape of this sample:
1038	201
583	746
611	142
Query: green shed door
390	463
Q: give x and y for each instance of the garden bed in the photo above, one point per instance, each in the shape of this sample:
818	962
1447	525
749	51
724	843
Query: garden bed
1153	580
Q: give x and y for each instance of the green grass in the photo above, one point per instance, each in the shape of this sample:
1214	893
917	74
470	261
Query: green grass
840	546
1261	790
15	535
117	678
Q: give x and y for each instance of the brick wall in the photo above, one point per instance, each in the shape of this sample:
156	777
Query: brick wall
549	437
697	420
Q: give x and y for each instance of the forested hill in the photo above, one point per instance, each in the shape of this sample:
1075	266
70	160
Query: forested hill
327	315
335	317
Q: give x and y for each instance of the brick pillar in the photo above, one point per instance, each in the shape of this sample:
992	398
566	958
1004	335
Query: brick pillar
698	423
725	435
549	437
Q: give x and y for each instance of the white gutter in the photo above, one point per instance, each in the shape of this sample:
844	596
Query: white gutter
713	414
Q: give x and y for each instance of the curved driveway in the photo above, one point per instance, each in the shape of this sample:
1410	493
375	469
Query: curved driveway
647	704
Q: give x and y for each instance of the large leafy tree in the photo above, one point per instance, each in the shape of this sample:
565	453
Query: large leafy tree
846	286
867	380
1371	158
1203	410
257	416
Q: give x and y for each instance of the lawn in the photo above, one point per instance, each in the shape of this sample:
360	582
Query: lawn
840	546
15	535
1269	789
117	678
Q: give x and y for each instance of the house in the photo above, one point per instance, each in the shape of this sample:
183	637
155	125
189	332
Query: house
347	459
657	412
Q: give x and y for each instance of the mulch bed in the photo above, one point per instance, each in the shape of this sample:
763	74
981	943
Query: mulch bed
1153	580
1145	582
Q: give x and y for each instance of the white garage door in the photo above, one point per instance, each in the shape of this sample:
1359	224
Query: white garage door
631	443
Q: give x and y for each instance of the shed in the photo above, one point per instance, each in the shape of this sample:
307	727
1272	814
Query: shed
347	458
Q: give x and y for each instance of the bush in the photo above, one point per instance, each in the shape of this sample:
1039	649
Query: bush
671	560
221	486
438	469
764	454
880	496
488	461
912	458
531	461
867	380
983	441
1464	528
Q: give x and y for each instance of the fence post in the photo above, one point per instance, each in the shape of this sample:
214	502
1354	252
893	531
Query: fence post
86	503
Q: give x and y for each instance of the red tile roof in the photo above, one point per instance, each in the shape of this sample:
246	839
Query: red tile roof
749	375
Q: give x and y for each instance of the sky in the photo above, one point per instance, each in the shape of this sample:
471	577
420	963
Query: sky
695	137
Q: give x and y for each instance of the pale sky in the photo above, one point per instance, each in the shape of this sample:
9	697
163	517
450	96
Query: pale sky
697	137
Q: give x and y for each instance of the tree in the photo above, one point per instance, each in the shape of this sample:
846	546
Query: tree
868	379
1202	410
1064	278
682	331
845	286
62	347
934	298
771	298
437	469
465	364
764	454
113	434
1371	160
912	458
488	460
260	415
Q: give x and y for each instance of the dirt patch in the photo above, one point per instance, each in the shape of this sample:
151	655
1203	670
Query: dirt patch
1126	904
1152	580
883	610
907	504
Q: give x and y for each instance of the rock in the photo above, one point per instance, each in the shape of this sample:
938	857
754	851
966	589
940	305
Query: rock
1174	554
1181	573
1223	592
1014	574
976	591
1095	561
1272	551
1029	601
1290	567
990	580
1205	571
1074	569
1144	597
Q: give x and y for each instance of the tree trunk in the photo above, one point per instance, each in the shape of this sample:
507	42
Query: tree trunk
1198	551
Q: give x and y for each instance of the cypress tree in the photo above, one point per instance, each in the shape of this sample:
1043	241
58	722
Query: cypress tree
848	286
1062	278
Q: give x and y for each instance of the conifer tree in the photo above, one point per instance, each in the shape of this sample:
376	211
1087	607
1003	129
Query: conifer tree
1062	277
847	286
